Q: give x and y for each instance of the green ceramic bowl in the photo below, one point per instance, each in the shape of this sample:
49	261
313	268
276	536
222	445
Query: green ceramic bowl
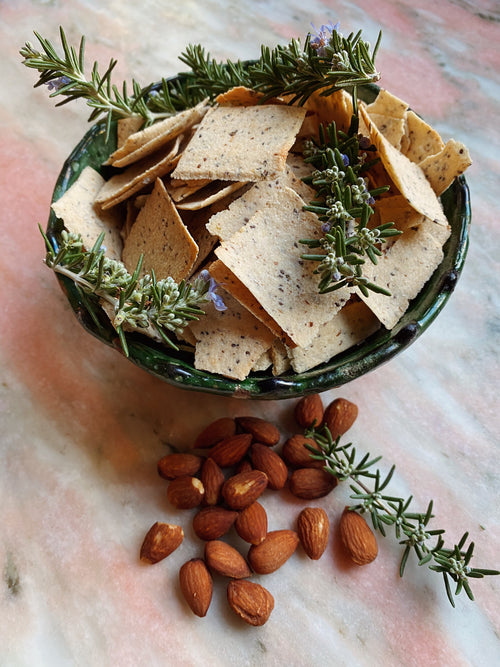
177	368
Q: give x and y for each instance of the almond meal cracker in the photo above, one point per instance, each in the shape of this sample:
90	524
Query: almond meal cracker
423	140
241	143
265	255
442	169
80	215
161	237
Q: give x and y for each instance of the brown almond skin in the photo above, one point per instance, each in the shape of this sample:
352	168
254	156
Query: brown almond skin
313	528
311	483
241	490
229	451
309	411
210	523
243	466
212	479
273	551
219	429
160	541
297	455
339	416
185	492
179	464
271	463
196	585
250	601
261	430
358	538
251	523
226	560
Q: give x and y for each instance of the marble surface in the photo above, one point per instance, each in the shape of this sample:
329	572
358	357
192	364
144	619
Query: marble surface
81	428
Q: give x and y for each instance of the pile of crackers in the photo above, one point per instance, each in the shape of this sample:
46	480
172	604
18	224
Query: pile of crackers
220	187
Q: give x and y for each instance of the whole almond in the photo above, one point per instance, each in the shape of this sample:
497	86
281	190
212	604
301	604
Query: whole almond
243	466
160	541
251	523
212	479
185	492
311	483
226	560
358	537
339	416
241	490
210	523
313	528
273	551
250	601
266	460
309	411
214	432
179	464
296	453
229	451
196	585
261	430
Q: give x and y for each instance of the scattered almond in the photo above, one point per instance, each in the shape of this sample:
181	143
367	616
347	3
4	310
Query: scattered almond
313	528
250	601
215	432
309	411
229	451
160	541
339	416
261	430
273	551
241	490
226	560
296	453
210	523
177	465
212	479
196	585
311	483
185	492
358	537
251	523
266	460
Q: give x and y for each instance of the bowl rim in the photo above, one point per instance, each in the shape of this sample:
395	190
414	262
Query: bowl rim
178	370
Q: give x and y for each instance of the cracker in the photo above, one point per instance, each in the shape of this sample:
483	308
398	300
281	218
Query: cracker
80	215
396	209
263	362
265	255
241	96
388	105
442	169
423	139
161	237
336	106
393	129
279	355
127	126
241	143
214	192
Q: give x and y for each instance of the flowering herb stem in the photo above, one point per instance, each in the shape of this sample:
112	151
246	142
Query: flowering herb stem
412	529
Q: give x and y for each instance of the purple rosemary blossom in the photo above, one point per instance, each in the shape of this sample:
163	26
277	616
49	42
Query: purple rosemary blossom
212	294
57	84
322	37
325	227
345	159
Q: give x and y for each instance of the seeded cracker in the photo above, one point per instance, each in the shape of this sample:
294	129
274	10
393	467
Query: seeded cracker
265	256
241	143
160	235
396	209
442	169
423	139
81	216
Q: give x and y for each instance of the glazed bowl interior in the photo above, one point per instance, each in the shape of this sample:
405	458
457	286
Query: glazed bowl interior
177	368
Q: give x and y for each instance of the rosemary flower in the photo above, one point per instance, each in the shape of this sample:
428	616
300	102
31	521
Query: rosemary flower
322	38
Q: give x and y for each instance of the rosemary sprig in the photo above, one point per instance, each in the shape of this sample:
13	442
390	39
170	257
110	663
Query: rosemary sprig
369	490
163	306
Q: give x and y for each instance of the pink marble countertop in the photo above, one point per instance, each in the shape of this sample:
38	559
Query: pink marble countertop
81	428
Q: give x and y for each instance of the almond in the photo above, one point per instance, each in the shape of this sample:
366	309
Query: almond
339	416
251	523
214	432
311	483
243	489
309	411
196	585
250	601
243	466
358	537
213	522
273	551
185	492
177	465
296	453
266	460
261	430
161	539
313	528
212	479
229	451
226	560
